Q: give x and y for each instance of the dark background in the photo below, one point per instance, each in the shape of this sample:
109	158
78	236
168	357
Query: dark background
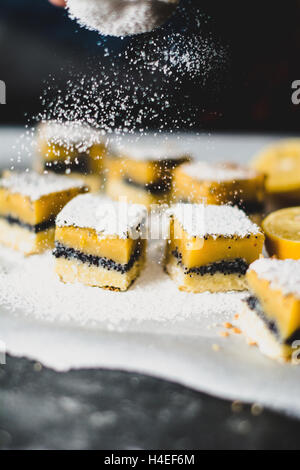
100	409
251	91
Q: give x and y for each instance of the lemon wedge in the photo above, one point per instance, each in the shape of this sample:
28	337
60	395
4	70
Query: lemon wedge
281	164
282	230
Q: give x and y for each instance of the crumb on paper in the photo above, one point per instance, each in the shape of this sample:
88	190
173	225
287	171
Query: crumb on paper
237	331
251	342
224	334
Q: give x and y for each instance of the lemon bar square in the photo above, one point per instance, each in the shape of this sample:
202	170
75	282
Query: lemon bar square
219	183
72	148
210	247
29	203
100	243
142	171
271	313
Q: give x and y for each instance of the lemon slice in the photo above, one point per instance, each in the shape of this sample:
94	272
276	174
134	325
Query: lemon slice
282	230
281	163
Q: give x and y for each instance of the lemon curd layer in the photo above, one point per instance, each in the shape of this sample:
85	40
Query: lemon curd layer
276	285
271	314
99	243
70	148
29	204
219	184
61	159
119	188
86	240
196	251
211	247
142	171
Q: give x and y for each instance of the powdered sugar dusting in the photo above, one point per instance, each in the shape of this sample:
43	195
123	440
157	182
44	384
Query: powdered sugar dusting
105	217
204	171
30	287
199	220
35	186
69	134
282	274
121	17
143	148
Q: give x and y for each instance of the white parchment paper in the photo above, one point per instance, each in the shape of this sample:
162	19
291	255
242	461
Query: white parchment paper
162	332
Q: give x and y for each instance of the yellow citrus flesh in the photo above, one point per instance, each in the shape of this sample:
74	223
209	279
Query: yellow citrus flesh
281	163
282	230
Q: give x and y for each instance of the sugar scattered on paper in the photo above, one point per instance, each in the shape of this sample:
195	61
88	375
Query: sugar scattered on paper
30	287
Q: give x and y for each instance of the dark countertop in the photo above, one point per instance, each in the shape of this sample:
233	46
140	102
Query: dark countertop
102	409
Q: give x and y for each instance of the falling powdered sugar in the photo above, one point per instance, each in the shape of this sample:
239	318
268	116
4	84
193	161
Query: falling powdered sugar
144	86
70	134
